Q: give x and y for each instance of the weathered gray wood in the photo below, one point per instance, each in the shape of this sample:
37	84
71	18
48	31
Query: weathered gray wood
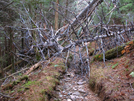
87	10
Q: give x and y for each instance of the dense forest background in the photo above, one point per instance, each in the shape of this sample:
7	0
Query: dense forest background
36	33
24	24
19	18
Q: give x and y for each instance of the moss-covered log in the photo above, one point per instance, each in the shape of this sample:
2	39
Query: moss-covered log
117	51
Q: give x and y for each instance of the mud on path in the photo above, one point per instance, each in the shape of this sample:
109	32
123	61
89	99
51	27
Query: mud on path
74	87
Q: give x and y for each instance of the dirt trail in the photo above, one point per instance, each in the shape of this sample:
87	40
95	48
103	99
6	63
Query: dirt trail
74	87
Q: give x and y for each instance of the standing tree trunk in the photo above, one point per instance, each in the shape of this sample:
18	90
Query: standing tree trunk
22	40
1	65
66	11
56	15
11	49
5	53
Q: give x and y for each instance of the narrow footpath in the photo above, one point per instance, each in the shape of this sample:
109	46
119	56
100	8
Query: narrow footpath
74	87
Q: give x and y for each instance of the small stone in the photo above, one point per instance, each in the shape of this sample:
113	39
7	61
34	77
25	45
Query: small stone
86	98
81	86
69	100
74	88
60	96
70	93
64	93
82	90
72	74
67	79
79	99
81	83
96	95
68	74
72	97
76	93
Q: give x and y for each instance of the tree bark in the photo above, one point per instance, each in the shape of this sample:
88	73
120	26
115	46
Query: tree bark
11	48
88	10
33	67
6	47
56	15
22	40
66	10
1	65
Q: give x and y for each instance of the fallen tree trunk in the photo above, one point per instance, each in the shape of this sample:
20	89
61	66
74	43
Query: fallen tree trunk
8	67
88	10
117	51
14	74
34	67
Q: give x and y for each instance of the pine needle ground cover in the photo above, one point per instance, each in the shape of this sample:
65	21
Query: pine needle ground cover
114	80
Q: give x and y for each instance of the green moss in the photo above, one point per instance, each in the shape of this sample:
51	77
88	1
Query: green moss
29	83
133	84
25	77
92	83
127	69
44	98
11	85
91	52
61	63
23	89
20	90
98	57
16	82
50	88
110	54
44	71
43	91
55	74
109	64
38	57
52	79
63	67
49	78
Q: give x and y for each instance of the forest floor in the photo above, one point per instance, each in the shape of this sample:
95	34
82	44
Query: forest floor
108	82
37	86
112	81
